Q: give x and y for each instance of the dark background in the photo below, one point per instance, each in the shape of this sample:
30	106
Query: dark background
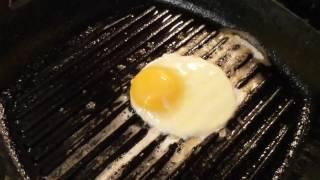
306	9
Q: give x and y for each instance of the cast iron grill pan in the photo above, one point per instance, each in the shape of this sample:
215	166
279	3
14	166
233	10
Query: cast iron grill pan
75	121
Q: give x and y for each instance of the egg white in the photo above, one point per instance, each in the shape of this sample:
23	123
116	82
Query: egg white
208	101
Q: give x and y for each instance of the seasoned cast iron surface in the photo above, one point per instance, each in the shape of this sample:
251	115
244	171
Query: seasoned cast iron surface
69	117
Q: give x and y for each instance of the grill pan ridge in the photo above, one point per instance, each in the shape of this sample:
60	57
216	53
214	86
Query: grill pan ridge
75	121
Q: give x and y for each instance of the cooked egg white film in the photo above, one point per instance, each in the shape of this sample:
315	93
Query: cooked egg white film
205	104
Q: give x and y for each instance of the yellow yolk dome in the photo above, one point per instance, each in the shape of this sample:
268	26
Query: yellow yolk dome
156	88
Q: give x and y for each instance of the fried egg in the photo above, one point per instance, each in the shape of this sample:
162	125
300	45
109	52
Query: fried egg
184	96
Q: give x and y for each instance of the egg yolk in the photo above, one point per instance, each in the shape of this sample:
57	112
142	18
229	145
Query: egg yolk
156	88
